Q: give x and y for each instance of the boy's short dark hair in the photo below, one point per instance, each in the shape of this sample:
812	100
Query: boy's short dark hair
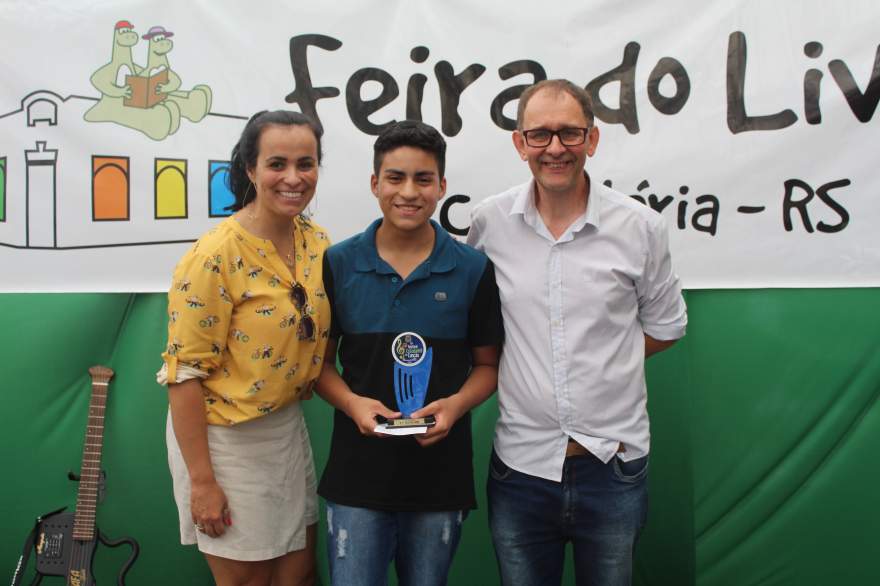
410	133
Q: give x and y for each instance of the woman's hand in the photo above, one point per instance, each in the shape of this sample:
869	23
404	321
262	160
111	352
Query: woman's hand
209	507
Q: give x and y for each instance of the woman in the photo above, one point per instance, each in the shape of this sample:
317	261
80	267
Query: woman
246	337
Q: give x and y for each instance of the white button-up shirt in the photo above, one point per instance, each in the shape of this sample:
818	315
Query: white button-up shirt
575	313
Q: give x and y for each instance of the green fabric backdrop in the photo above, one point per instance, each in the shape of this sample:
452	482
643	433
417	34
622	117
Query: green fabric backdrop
764	418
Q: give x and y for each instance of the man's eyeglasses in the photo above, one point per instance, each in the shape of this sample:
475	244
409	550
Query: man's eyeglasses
300	299
541	137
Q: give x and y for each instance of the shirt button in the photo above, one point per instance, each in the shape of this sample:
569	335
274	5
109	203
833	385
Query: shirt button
396	302
394	279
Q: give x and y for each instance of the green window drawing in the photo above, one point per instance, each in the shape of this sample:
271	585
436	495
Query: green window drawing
170	188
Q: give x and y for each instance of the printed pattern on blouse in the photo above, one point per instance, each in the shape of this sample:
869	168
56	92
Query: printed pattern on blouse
235	312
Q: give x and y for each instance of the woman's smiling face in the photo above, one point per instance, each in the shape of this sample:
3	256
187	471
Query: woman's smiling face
286	171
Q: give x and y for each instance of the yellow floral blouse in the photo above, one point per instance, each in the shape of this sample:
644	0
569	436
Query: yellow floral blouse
235	314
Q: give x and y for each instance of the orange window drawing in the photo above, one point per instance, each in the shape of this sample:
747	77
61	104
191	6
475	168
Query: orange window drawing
170	188
2	189
110	188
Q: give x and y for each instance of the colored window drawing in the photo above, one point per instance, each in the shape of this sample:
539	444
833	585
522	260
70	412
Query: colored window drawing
219	195
110	188
2	189
170	188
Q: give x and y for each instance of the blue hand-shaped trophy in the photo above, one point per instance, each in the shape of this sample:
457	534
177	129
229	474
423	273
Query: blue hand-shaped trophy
412	373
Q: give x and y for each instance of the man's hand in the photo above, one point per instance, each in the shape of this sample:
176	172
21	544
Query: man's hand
363	411
653	345
446	412
209	508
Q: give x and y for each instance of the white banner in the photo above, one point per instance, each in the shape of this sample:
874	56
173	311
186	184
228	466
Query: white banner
749	125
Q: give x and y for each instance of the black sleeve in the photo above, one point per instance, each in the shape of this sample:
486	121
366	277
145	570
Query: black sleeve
485	326
327	275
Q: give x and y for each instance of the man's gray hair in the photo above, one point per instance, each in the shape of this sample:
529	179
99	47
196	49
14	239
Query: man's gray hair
556	86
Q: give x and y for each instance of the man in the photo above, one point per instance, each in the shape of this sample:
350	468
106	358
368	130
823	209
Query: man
587	292
409	303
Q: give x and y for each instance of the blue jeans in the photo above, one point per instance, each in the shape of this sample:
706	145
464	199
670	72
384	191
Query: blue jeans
362	543
600	508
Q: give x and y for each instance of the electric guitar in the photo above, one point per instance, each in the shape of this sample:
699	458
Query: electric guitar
65	543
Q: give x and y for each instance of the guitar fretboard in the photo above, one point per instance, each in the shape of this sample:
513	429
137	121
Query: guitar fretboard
90	472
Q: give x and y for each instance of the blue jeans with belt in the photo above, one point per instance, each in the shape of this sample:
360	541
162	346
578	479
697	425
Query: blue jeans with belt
362	543
600	508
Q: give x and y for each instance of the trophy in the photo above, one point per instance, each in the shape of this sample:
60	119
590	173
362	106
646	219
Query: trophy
412	373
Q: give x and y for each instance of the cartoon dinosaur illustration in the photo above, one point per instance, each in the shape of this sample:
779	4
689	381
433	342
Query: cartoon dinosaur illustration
105	79
156	122
194	104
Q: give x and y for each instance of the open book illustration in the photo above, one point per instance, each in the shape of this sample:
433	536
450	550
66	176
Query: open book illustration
143	87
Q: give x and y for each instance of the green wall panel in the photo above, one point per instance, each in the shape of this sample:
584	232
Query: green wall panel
764	422
786	406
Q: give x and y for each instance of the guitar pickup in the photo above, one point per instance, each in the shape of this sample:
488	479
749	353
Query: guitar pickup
53	545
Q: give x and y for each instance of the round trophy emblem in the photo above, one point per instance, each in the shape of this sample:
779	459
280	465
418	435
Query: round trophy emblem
408	349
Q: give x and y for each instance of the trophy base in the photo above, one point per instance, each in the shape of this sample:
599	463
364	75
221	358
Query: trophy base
428	421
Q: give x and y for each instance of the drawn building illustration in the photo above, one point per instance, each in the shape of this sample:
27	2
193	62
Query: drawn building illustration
67	183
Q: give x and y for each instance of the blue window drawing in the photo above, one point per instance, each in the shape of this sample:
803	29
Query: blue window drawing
219	195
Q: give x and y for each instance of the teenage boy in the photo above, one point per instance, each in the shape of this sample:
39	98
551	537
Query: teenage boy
404	296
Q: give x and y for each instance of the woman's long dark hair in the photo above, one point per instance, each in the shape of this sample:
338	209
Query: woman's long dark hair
245	151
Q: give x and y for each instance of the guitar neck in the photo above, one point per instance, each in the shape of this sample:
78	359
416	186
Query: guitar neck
90	471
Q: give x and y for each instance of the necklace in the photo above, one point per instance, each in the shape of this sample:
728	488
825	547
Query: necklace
291	257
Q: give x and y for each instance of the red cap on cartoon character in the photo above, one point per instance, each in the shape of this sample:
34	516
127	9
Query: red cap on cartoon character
157	30
123	24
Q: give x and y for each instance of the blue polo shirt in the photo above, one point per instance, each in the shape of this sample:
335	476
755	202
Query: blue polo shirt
450	300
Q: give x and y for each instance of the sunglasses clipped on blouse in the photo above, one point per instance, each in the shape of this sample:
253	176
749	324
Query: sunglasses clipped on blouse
300	299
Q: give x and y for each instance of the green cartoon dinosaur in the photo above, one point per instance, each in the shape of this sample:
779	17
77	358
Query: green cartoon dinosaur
157	121
194	104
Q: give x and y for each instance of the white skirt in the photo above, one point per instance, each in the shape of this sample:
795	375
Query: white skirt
265	467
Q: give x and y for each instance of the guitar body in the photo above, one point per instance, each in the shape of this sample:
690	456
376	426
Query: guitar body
59	554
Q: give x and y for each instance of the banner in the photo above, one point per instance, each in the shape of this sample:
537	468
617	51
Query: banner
748	125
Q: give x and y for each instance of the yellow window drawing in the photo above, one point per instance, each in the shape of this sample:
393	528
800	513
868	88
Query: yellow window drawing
170	188
110	182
